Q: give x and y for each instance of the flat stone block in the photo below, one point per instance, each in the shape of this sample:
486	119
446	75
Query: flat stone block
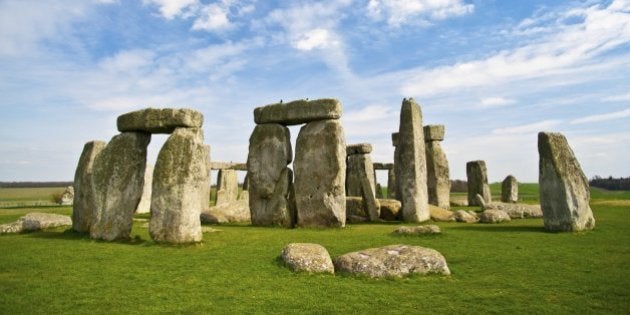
298	112
359	148
433	132
156	120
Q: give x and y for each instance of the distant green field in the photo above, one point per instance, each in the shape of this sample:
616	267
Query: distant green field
28	196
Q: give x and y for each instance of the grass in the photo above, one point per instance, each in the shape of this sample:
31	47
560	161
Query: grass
512	267
28	196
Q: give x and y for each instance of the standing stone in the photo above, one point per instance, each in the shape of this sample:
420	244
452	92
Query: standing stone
320	174
379	191
564	189
145	201
84	205
117	180
227	186
269	178
179	180
67	197
391	183
411	167
359	167
477	182
438	181
509	189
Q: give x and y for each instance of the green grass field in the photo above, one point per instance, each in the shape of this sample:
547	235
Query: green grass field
511	267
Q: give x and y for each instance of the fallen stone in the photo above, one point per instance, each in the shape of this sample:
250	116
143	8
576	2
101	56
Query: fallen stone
305	257
359	148
411	166
230	212
117	180
466	216
390	209
351	218
35	221
320	175
509	189
441	214
433	133
477	175
493	216
144	206
84	205
298	112
180	179
156	120
392	261
564	189
514	210
418	230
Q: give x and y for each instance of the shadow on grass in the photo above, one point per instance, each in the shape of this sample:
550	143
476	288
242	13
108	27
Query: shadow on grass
499	228
70	234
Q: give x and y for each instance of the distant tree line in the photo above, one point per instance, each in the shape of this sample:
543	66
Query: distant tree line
34	184
610	183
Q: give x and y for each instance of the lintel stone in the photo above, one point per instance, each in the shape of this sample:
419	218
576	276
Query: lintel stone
159	120
298	112
433	133
359	148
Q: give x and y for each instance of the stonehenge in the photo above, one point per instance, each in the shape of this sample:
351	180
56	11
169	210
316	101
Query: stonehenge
509	189
477	175
360	177
316	197
564	189
109	178
438	180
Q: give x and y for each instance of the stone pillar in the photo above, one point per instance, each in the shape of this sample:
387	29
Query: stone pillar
393	189
438	181
269	179
84	204
145	201
411	167
509	189
564	189
360	177
179	181
227	186
477	175
117	180
320	174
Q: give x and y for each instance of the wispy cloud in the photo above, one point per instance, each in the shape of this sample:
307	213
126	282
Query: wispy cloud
528	128
602	117
211	17
400	12
617	98
490	102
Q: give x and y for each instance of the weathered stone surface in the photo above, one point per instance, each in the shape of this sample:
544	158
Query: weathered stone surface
392	186
298	112
383	166
441	214
356	218
357	206
320	175
35	221
360	182
477	175
564	189
390	209
269	178
418	230
514	210
84	206
305	257
145	201
509	189
159	120
379	191
433	132
395	137
215	165
438	181
117	180
392	261
410	164
67	197
227	186
179	182
359	148
466	216
493	216
228	212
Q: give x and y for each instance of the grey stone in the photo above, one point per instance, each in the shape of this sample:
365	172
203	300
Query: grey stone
509	189
379	191
144	206
564	189
228	212
392	261
493	216
227	186
418	230
117	180
360	182
35	221
269	178
514	210
434	132
214	165
441	214
383	166
392	187
438	181
180	179
320	175
466	216
359	148
305	257
298	112
410	164
359	207
84	206
395	137
156	120
390	209
67	197
477	175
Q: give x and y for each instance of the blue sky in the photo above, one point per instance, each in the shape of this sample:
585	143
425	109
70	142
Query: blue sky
494	72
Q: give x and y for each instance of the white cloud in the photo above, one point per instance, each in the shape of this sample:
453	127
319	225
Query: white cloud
313	39
603	117
171	9
212	18
398	12
617	98
528	128
490	102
